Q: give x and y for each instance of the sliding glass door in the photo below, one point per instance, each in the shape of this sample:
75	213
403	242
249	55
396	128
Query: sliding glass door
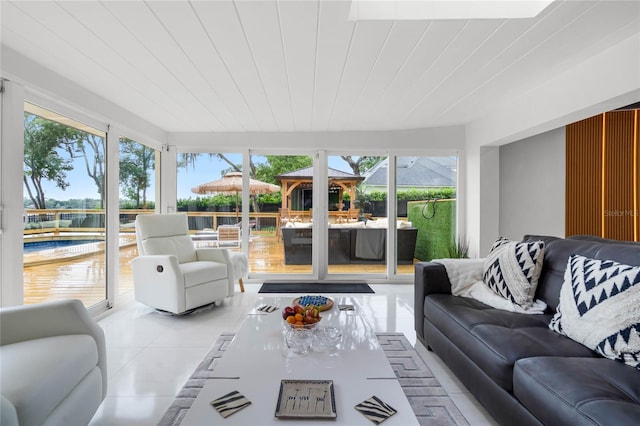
64	209
283	241
138	174
357	212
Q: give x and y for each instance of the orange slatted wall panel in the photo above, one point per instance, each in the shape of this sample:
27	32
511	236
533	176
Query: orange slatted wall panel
583	177
618	176
636	201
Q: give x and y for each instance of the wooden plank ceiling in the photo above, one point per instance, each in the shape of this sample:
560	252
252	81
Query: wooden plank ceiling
303	65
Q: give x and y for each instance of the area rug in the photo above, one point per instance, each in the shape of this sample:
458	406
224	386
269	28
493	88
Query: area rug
298	287
430	402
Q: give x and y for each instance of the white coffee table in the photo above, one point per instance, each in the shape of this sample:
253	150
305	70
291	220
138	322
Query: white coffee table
257	360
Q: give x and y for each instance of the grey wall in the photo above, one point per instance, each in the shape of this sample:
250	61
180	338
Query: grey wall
532	186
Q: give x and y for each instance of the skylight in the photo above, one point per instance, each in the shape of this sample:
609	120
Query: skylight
445	9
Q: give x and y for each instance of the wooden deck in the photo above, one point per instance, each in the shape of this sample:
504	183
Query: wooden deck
79	271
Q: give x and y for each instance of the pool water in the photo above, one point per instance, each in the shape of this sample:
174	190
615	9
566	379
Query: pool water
32	246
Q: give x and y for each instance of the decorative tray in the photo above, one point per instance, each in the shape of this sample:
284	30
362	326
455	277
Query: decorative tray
323	303
306	399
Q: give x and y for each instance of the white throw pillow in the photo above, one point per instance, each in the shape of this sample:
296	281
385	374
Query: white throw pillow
511	270
600	308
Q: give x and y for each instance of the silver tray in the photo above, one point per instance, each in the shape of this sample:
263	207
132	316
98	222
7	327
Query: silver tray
306	399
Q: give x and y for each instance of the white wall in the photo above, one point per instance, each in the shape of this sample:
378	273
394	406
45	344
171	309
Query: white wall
532	186
481	194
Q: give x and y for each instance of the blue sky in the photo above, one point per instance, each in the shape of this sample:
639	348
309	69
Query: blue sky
206	169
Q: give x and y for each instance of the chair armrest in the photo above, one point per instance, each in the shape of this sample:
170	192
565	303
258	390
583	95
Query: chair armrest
430	278
149	265
48	319
158	282
212	254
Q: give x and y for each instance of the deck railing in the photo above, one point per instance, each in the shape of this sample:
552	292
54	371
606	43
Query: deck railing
40	221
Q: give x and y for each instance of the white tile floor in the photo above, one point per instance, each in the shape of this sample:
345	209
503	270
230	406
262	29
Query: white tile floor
150	356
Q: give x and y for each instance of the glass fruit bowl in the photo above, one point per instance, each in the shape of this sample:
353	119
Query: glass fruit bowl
326	339
301	317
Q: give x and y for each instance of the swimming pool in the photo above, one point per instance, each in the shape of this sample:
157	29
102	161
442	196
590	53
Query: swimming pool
31	246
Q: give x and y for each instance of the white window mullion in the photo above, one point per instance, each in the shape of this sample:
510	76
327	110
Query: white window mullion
112	225
11	202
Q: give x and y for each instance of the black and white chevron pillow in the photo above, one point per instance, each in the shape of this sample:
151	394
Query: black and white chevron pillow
511	270
599	308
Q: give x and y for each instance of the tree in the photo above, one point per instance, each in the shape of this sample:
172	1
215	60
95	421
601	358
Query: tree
361	164
42	161
280	164
137	161
91	148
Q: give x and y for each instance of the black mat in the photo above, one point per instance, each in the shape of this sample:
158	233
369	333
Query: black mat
298	287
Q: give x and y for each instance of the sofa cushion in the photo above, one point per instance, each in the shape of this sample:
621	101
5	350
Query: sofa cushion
36	375
599	308
196	273
512	269
495	339
574	391
557	252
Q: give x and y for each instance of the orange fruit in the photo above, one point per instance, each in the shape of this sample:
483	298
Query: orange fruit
291	319
299	317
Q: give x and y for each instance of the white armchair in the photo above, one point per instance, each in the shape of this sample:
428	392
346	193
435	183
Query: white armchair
53	364
170	273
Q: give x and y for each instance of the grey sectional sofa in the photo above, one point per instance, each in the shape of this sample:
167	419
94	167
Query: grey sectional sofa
521	371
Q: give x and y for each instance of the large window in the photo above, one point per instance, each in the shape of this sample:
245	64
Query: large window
64	209
358	222
289	249
425	210
137	192
209	191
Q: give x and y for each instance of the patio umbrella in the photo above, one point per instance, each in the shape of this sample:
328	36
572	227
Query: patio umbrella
231	183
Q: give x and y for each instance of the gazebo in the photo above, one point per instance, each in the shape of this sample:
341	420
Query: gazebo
297	181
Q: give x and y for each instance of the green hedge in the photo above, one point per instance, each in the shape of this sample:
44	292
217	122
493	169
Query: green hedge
435	231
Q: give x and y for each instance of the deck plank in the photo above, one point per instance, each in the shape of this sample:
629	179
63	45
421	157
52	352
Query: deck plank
84	277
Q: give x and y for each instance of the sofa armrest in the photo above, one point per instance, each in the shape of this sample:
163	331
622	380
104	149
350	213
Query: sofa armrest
430	278
48	319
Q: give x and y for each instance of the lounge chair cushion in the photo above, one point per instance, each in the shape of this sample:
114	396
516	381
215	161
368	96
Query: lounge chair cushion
196	273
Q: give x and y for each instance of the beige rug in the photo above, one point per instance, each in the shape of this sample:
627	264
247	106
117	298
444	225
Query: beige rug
430	402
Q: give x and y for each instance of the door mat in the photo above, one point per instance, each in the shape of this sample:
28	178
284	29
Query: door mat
297	287
430	402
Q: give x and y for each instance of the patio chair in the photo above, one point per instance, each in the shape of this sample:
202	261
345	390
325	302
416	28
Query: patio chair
352	215
171	274
285	217
228	235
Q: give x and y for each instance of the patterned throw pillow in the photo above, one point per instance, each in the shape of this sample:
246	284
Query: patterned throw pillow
511	270
598	308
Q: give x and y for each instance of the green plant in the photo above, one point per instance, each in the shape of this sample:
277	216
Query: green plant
459	249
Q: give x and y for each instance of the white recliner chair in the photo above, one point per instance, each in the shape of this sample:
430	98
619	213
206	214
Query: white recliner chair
53	364
171	274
